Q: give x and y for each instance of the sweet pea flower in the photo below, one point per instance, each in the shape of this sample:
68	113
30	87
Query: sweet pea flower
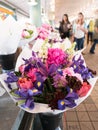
84	89
25	83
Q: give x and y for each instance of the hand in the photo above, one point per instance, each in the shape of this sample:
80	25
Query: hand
69	26
61	34
96	29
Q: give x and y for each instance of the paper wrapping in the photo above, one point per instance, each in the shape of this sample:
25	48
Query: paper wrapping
39	107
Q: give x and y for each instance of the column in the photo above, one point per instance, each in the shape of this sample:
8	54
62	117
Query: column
35	14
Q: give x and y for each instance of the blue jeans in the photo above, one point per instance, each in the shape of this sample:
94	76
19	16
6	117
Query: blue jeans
79	43
94	45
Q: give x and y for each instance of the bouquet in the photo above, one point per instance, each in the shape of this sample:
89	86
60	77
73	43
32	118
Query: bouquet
29	33
53	78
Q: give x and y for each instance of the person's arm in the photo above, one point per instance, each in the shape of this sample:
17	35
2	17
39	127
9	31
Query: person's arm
96	26
96	29
60	29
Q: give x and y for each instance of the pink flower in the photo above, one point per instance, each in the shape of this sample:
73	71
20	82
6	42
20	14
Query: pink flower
47	26
69	71
21	68
25	34
43	36
84	89
43	33
56	56
31	74
25	83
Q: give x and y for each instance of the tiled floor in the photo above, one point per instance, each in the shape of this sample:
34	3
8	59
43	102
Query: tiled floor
8	112
84	117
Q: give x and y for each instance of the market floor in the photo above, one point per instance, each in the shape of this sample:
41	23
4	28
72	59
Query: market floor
84	117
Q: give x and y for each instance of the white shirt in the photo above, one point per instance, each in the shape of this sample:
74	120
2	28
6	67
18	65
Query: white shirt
78	33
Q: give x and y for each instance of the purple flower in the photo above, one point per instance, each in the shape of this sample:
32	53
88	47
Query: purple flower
28	67
69	101
33	92
79	67
59	81
42	68
22	93
61	104
11	78
52	69
39	83
28	104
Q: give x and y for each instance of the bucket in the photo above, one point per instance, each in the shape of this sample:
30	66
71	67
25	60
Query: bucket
7	61
50	121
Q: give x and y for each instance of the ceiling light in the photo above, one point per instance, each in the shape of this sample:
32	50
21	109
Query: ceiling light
32	2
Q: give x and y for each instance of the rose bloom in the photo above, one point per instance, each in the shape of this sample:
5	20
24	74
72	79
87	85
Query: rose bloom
56	56
84	89
25	83
31	74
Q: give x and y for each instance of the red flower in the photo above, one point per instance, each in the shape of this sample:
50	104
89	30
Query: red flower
84	89
25	83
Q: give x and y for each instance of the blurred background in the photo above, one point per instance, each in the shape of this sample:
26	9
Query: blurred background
51	10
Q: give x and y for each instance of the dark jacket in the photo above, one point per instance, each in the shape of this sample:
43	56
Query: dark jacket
95	35
64	30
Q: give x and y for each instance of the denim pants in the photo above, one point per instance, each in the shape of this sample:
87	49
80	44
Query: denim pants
94	45
79	43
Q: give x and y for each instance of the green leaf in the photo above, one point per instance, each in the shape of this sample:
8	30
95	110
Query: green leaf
14	95
18	73
30	31
20	102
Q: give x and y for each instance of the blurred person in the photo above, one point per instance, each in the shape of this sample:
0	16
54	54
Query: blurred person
79	30
65	27
90	31
95	37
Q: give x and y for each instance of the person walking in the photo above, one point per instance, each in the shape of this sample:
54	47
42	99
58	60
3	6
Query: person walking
65	27
90	31
79	30
95	37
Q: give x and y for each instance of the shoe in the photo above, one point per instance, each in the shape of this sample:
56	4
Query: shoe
91	52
